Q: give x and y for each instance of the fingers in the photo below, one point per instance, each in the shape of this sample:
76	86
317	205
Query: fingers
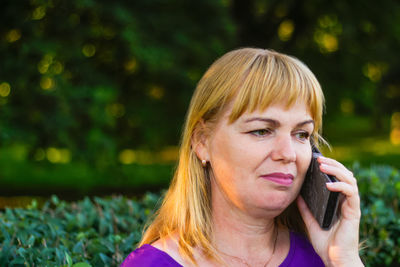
347	185
344	188
322	159
335	168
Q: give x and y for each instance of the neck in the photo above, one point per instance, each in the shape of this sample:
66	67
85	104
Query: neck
239	234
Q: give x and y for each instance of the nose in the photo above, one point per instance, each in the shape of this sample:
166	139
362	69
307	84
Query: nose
284	150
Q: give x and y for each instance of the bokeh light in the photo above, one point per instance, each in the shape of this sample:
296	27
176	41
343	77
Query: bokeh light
89	50
156	92
39	13
285	30
58	155
47	83
374	71
395	128
5	89
13	35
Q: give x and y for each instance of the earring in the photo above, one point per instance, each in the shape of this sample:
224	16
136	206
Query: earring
204	163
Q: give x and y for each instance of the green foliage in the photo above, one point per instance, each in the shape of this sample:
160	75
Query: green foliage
76	180
83	81
98	232
97	77
103	231
380	205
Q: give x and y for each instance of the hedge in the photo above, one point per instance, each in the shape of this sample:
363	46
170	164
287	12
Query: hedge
90	232
103	231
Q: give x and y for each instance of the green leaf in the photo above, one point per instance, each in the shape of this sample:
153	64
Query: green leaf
30	241
55	200
5	234
68	259
82	264
106	260
78	248
17	261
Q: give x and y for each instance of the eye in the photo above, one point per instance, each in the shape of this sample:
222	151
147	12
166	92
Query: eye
302	135
260	132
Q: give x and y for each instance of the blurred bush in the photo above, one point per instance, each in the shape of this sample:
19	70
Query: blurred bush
84	80
103	231
100	82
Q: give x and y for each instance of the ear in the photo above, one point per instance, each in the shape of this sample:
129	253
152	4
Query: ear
200	141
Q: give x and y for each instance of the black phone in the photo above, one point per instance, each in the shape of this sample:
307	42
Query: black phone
324	204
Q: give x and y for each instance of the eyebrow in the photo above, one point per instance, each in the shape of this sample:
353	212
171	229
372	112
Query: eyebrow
276	123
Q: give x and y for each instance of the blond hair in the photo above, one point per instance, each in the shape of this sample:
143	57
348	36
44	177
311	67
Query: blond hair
251	79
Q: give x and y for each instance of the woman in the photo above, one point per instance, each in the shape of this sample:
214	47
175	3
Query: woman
246	147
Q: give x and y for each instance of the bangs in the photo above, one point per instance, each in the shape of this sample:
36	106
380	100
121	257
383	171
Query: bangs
276	78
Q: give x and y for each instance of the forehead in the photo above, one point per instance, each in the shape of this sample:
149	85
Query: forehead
298	111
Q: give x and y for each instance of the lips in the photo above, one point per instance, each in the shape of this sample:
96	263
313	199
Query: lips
279	178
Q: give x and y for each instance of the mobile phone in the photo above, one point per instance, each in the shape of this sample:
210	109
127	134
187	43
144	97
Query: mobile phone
324	204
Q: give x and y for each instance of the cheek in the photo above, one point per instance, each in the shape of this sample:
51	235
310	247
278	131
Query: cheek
304	162
231	159
307	159
228	149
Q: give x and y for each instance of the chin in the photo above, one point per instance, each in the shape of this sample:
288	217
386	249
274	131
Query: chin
278	201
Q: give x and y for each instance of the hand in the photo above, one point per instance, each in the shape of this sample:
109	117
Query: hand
339	245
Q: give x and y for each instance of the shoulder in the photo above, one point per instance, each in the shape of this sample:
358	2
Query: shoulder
170	246
147	256
301	252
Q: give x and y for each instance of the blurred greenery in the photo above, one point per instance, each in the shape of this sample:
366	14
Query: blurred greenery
93	93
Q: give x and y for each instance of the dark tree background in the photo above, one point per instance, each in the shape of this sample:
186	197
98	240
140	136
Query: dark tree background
102	82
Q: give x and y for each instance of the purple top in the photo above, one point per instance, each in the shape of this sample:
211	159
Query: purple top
301	254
